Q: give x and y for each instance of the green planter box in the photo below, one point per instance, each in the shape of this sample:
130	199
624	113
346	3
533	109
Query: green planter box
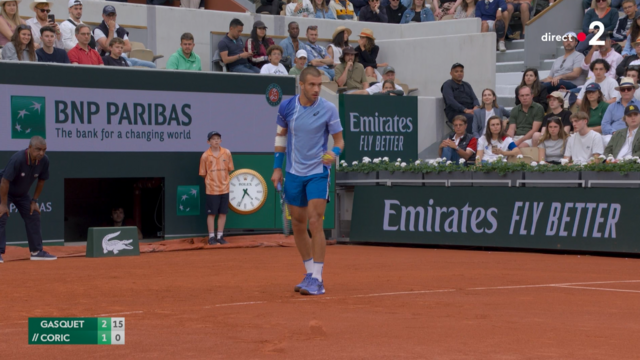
551	176
113	242
344	178
512	176
588	176
454	175
399	175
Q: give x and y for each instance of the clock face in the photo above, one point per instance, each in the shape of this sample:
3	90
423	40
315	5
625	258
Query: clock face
247	191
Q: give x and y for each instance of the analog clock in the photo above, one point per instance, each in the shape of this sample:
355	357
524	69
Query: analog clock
247	191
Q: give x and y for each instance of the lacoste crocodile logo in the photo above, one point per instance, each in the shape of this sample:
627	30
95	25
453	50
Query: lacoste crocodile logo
115	245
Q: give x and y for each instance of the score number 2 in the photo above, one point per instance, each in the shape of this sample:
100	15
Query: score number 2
595	40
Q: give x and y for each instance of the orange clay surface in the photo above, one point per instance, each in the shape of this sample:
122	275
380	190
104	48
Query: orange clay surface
381	303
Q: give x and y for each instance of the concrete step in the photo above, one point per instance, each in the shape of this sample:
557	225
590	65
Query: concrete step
506	90
516	66
514	78
507	101
515	44
510	56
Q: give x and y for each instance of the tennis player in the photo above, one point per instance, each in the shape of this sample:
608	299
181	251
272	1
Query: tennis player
303	127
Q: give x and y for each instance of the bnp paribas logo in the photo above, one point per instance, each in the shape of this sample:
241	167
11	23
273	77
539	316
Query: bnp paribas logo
28	117
188	200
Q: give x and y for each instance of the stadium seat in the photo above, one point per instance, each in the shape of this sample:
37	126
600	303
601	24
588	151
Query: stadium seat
217	64
147	55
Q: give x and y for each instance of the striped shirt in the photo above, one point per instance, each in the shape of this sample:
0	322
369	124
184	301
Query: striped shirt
216	170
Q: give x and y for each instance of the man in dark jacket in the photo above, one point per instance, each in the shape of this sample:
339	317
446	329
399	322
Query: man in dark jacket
373	13
459	98
270	7
395	10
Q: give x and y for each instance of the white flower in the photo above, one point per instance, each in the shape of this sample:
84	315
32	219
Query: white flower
385	159
397	164
638	161
500	157
462	161
417	162
610	158
448	163
564	161
491	160
432	162
354	163
519	156
602	157
366	159
399	160
543	163
627	158
343	162
375	161
533	163
403	164
591	159
635	158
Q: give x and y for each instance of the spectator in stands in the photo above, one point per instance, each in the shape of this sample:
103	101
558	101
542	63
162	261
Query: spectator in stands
292	44
613	119
552	144
389	88
466	10
625	142
68	28
388	74
521	6
633	71
489	109
116	47
394	11
257	44
530	78
321	10
565	68
624	23
444	9
585	143
82	54
460	144
599	68
349	73
495	142
301	8
342	10
21	46
459	98
300	63
595	106
525	119
118	220
268	6
624	64
274	52
184	58
41	8
367	53
48	53
494	15
634	33
317	54
374	12
9	20
603	52
340	41
232	52
600	11
418	12
556	110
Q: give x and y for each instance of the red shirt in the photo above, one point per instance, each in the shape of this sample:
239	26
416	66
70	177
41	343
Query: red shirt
81	56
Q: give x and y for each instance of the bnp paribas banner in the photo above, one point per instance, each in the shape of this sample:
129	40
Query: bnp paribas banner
379	126
534	218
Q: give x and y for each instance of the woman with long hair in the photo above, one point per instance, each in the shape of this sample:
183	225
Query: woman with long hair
531	79
9	20
21	47
600	11
634	33
367	53
552	143
488	109
495	142
466	10
418	12
258	43
340	40
595	106
322	10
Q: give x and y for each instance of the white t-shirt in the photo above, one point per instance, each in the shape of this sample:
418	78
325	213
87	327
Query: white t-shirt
627	148
506	144
68	31
376	88
98	34
306	9
608	88
337	52
274	70
581	148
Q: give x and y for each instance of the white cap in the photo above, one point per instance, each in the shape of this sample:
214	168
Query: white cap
572	34
301	53
634	62
73	3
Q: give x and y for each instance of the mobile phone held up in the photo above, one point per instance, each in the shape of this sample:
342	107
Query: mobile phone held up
52	18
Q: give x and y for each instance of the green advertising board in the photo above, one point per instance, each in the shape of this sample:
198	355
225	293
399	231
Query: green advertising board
379	126
112	241
584	219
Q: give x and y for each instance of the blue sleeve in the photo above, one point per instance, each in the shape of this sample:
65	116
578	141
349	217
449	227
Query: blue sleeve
512	145
333	120
407	3
406	18
479	12
282	114
222	46
611	20
607	120
447	93
430	16
476	125
627	47
502	4
587	21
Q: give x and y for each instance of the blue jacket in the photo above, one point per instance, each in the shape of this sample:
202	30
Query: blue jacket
325	15
613	119
289	51
479	119
406	3
425	15
628	50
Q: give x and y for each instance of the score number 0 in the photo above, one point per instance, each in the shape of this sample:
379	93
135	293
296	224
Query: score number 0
595	40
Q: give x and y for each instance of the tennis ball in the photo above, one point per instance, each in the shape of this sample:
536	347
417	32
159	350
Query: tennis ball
326	157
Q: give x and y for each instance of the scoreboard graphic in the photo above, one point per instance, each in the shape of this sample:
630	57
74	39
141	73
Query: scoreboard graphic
76	331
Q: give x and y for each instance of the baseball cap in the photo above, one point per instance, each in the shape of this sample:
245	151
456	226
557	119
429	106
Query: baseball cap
387	69
212	133
456	65
573	35
108	10
592	87
73	3
631	109
556	94
301	53
259	24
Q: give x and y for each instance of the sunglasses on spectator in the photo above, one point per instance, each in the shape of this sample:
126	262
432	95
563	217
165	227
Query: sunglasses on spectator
599	1
626	89
44	10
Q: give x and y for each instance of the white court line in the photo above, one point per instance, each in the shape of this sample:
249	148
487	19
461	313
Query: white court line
241	303
548	285
122	313
403	293
592	288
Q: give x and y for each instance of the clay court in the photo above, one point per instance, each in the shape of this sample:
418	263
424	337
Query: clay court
381	303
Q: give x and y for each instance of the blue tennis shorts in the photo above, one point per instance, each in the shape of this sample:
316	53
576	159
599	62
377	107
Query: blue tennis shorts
298	190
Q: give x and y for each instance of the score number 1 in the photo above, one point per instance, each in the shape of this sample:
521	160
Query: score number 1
595	40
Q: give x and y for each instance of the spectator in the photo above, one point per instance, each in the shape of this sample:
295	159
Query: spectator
257	44
317	54
367	53
556	107
459	98
388	74
552	144
359	5
349	73
624	23
565	68
388	88
444	9
585	143
394	11
41	8
232	51
82	53
9	20
68	28
594	106
301	8
274	52
599	68
47	53
525	119
184	58
603	52
373	13
292	44
466	10
624	64
530	79
118	218
116	47
494	15
267	6
634	33
321	10
340	41
300	63
633	71
460	144
342	10
494	142
489	109
600	11
21	47
625	143
613	118
418	12
521	6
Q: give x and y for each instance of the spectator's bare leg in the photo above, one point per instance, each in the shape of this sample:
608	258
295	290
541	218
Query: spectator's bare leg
536	138
524	14
370	72
484	27
222	219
